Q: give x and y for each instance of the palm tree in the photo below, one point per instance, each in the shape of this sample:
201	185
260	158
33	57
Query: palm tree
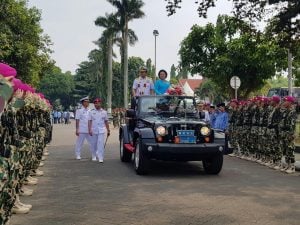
111	23
127	10
207	89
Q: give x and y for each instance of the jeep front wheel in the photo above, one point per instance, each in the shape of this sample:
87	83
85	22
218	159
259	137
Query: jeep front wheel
125	155
141	163
214	164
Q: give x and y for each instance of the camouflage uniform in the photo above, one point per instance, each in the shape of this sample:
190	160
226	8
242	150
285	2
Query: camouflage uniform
255	113
9	145
232	128
239	128
115	117
272	134
263	144
247	123
286	134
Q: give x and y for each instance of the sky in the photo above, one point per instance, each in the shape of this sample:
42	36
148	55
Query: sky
70	25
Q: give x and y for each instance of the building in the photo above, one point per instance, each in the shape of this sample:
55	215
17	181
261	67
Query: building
190	85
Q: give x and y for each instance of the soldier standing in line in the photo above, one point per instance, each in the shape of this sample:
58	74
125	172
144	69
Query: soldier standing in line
239	128
247	123
115	117
82	132
122	115
263	131
286	132
232	127
272	135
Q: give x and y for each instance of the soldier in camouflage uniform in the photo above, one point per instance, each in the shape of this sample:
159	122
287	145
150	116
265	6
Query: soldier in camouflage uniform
246	132
9	156
286	133
232	128
263	124
255	113
115	117
272	133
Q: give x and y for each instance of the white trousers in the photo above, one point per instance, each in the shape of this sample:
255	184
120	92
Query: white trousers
97	143
79	142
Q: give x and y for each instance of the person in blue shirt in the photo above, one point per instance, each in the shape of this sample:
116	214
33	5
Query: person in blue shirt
221	122
212	115
162	85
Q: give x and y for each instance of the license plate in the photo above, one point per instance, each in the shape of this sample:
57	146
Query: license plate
187	139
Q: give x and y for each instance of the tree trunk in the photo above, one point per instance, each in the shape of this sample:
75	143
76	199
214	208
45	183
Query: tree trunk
126	64
110	75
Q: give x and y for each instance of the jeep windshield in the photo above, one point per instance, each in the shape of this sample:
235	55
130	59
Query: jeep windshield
167	106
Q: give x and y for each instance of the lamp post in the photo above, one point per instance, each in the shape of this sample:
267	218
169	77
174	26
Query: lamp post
155	33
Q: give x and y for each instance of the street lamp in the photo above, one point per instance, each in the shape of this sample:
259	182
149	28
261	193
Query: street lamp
155	33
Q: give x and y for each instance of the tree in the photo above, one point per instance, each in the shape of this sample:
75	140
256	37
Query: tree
112	27
150	68
58	86
296	65
209	90
183	73
285	18
127	10
173	72
134	63
22	43
230	49
89	78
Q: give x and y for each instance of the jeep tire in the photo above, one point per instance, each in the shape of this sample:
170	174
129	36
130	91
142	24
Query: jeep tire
214	164
141	163
125	155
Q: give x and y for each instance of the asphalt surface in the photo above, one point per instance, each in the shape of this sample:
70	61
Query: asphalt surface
89	193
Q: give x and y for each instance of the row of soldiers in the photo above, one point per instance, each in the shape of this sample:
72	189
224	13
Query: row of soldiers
263	130
25	129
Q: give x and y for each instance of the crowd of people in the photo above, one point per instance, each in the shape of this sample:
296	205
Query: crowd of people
62	117
25	130
263	130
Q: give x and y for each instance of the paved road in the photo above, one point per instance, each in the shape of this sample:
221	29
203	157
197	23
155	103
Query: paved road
89	193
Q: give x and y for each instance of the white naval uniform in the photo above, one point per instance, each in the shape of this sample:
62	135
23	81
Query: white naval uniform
83	115
98	117
142	86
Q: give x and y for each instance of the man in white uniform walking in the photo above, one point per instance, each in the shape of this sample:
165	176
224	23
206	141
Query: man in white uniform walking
82	131
98	125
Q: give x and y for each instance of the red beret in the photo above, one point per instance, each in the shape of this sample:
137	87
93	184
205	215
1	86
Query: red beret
235	101
275	98
97	100
17	84
265	99
7	71
289	99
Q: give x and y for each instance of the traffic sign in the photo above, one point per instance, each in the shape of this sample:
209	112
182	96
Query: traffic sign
235	82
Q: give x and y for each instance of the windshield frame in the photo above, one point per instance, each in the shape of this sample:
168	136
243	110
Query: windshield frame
167	106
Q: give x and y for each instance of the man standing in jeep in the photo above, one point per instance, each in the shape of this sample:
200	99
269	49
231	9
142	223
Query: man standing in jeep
142	85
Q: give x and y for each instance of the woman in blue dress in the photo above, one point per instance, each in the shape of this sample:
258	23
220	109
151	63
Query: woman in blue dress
162	85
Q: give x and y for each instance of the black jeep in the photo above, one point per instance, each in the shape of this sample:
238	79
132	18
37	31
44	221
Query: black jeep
168	127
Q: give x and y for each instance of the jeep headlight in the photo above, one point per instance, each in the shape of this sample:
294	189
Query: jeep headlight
161	131
205	131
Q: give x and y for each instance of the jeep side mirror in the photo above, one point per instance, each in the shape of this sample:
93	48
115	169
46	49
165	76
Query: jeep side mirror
130	113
